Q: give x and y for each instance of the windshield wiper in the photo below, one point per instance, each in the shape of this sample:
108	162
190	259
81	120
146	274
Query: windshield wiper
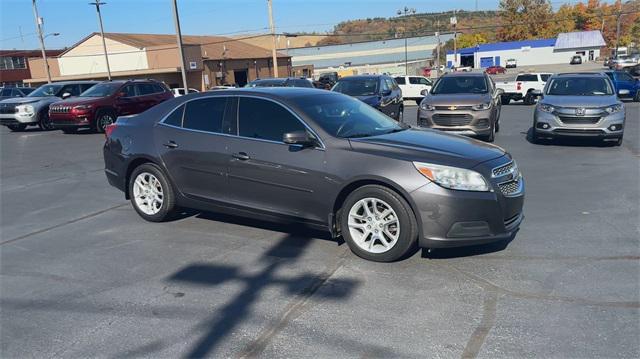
356	135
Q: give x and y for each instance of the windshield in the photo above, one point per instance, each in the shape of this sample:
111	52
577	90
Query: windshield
101	90
346	117
266	83
579	86
357	87
460	85
45	91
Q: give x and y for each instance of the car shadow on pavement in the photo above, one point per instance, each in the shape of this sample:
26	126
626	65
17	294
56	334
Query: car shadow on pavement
447	253
298	288
569	141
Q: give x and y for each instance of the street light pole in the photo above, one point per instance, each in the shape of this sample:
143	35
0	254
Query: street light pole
176	19
273	37
454	22
39	22
97	4
406	11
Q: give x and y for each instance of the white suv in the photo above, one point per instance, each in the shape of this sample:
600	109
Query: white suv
412	87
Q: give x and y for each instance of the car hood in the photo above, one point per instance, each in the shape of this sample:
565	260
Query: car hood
432	146
579	101
78	101
457	99
24	100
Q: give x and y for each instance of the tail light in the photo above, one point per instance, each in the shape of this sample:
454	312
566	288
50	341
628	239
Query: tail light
109	129
519	84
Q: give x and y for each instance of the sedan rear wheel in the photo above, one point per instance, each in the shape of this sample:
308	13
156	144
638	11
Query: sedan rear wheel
151	195
378	224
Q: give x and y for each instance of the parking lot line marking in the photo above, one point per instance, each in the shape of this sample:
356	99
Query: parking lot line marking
90	215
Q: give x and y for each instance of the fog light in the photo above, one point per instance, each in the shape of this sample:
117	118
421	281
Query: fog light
616	127
542	125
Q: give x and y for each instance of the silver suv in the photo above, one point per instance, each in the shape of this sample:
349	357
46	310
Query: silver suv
579	105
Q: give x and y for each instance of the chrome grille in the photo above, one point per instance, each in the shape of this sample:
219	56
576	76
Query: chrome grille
60	109
579	120
451	119
504	170
511	188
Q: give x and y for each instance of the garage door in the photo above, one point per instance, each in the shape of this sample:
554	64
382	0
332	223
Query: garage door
486	61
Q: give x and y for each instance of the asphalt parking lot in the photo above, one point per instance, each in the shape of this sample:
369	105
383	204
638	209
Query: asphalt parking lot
82	275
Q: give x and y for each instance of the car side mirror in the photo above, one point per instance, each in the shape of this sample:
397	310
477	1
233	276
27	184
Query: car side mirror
424	92
499	91
623	92
386	92
66	95
300	138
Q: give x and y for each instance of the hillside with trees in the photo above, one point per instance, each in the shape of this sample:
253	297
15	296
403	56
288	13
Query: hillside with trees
514	20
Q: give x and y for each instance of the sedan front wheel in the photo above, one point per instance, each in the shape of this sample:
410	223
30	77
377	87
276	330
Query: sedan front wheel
151	194
378	224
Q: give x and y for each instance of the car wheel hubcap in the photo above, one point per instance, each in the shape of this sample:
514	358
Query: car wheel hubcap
148	193
374	225
105	120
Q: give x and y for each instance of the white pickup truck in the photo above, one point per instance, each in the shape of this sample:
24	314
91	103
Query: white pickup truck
521	88
412	87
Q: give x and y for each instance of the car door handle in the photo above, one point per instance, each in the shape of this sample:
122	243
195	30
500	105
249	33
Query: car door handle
170	144
241	156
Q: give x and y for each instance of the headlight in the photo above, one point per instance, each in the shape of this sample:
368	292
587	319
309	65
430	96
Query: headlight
482	106
427	107
82	107
614	108
25	109
546	108
453	177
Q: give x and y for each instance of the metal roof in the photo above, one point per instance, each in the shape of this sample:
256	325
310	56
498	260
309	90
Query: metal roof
581	39
510	45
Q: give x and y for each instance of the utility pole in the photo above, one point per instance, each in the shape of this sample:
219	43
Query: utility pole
406	11
274	55
618	33
438	49
97	4
454	22
39	23
176	19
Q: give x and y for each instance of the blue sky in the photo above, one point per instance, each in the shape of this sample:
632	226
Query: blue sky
74	19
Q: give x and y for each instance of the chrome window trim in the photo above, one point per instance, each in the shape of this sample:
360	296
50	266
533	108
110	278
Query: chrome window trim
237	135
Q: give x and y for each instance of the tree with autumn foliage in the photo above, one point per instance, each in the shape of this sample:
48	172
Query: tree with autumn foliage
524	19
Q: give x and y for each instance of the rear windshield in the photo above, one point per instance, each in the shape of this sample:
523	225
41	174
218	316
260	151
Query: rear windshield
579	86
357	87
460	85
102	90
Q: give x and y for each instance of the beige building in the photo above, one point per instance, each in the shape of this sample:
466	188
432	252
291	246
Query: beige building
210	60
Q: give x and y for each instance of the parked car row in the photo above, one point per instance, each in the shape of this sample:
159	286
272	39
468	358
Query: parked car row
72	105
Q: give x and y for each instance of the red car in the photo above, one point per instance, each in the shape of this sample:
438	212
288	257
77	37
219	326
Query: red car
494	70
101	105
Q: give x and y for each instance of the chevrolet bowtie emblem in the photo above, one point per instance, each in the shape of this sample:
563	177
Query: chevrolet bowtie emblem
452	108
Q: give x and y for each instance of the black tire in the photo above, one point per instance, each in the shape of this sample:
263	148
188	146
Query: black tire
498	125
637	97
618	143
168	206
418	101
528	99
70	130
102	119
491	136
400	115
18	127
408	236
534	136
505	100
44	122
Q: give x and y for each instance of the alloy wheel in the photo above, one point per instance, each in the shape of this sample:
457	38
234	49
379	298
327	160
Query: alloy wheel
148	193
103	121
373	225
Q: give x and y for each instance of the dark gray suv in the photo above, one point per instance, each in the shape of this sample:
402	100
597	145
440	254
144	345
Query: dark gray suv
317	157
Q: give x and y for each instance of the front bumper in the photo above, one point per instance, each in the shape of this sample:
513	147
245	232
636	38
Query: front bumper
18	118
68	120
556	128
453	218
462	122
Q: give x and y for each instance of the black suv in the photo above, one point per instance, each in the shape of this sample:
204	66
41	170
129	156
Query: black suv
280	82
379	91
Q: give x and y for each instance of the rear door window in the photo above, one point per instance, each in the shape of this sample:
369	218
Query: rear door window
175	118
145	89
265	119
400	80
524	78
205	114
419	81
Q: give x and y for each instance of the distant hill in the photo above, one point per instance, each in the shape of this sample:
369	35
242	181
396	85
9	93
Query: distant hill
264	41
